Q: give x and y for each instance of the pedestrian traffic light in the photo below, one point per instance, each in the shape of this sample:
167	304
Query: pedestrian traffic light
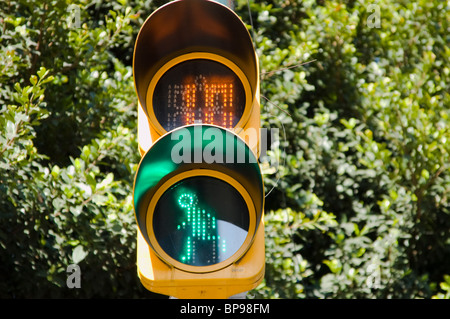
198	191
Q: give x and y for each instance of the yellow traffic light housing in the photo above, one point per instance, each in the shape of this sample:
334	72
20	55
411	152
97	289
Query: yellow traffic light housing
198	191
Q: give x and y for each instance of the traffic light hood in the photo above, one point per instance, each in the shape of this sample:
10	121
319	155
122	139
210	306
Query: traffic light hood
183	27
159	165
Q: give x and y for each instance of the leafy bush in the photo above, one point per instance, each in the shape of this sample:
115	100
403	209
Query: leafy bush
367	135
68	149
358	205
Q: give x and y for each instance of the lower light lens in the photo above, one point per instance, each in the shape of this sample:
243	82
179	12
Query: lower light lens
201	221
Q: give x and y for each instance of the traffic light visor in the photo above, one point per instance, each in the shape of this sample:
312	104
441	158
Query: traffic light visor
195	61
197	215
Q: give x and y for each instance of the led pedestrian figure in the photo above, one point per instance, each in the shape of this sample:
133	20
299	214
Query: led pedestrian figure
203	244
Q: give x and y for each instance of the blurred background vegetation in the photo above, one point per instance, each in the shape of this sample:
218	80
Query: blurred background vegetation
360	203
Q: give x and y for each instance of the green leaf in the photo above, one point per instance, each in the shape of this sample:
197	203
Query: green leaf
334	265
43	72
33	79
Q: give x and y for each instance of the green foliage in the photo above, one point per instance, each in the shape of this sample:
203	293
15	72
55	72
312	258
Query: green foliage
358	205
445	286
366	133
67	149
